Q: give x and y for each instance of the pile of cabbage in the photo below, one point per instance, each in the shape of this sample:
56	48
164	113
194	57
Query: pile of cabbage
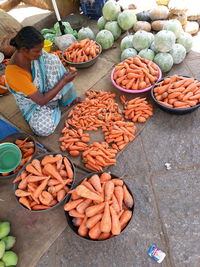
166	48
113	23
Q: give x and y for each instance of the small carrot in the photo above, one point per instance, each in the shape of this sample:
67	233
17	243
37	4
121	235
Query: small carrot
125	218
74	213
93	220
40	207
105	176
68	168
109	189
95	231
93	210
86	193
104	236
105	224
118	191
51	170
83	229
60	195
83	205
24	201
116	226
95	181
128	199
72	204
31	169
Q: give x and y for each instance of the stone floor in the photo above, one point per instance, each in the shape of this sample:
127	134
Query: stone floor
167	209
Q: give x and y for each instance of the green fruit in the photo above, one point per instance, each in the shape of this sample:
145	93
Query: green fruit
4	229
2	248
1	264
9	241
10	258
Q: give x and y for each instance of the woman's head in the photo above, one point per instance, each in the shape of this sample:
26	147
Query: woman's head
29	41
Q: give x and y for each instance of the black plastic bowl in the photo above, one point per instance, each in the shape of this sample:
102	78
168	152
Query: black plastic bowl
173	110
69	218
84	64
11	139
40	157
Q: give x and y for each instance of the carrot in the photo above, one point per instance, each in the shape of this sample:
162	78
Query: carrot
105	224
49	159
61	194
40	207
74	195
118	191
40	188
45	198
21	193
104	236
125	218
95	231
74	153
115	204
93	210
74	213
68	168
31	169
53	203
128	199
23	184
116	226
83	205
83	230
93	220
51	170
86	193
117	181
33	179
53	182
105	177
109	189
24	201
88	185
95	181
72	204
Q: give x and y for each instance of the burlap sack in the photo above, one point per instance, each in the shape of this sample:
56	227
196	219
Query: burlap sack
8	29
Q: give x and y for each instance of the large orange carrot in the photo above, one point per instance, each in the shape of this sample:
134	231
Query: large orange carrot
51	159
116	227
115	204
105	224
95	181
104	236
61	194
108	190
93	210
40	207
118	191
40	188
93	220
24	201
72	204
95	231
125	218
83	230
128	199
83	206
36	164
31	169
86	193
51	170
21	193
74	213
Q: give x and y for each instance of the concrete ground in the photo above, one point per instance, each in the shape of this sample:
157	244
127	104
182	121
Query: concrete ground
167	209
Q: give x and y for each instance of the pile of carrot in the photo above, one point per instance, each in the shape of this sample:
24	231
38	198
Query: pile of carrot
44	183
178	92
74	141
58	53
101	207
98	108
28	149
137	109
82	51
119	133
136	73
99	155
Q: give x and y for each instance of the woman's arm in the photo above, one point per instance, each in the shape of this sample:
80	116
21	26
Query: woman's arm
43	99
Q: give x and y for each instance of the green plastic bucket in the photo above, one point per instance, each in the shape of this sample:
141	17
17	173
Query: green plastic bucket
10	157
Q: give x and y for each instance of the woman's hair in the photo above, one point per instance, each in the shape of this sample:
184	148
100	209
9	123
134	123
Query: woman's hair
27	37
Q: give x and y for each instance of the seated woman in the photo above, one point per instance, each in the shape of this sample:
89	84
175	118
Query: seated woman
38	81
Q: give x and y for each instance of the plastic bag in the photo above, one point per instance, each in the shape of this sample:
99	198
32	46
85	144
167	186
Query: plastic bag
62	42
68	29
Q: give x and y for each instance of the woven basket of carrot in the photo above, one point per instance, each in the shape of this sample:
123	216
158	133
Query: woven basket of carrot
44	183
27	145
100	207
82	54
135	75
177	94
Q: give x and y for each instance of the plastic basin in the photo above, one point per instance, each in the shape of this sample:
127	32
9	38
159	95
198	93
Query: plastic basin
134	91
10	157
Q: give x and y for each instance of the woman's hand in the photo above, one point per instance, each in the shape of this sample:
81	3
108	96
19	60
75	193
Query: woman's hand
69	76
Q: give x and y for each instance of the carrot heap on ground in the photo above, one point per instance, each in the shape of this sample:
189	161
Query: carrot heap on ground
136	73
101	207
44	183
137	109
82	51
119	133
58	53
178	92
98	156
28	149
99	107
74	141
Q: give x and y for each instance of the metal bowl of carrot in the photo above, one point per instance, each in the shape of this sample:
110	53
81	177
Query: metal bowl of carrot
135	75
100	207
177	94
28	147
82	54
43	183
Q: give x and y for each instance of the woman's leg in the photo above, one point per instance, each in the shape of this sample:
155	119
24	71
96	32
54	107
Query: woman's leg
42	123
